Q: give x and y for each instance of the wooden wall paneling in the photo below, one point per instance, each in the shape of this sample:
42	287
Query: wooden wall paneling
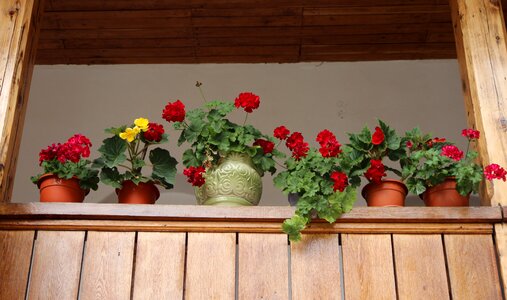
501	250
56	265
107	266
315	267
368	266
15	256
18	44
159	266
420	267
211	266
472	267
479	30
263	266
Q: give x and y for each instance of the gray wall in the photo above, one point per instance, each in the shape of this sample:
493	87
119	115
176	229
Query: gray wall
307	97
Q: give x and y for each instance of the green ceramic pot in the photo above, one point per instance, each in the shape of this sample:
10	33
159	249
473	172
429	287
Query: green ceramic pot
234	182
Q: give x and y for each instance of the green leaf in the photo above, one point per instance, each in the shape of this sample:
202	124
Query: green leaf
111	176
190	159
113	151
294	226
164	167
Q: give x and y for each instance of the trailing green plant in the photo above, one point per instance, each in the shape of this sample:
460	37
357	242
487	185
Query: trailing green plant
430	161
68	161
211	135
316	177
127	149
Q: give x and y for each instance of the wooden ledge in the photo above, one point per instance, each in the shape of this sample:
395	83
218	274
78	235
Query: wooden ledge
94	211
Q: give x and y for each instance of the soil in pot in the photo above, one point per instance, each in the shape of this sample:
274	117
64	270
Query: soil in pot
54	189
445	194
143	193
388	192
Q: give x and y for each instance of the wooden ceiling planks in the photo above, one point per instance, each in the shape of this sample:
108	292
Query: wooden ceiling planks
243	31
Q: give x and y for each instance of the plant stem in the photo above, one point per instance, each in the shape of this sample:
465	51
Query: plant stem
246	117
202	93
468	147
126	167
280	165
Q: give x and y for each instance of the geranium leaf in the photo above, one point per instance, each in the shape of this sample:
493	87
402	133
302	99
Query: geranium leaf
113	151
164	167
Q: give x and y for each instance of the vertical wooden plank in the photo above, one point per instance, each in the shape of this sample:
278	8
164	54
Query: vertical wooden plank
420	267
56	265
107	265
159	267
211	259
18	43
368	266
479	29
315	267
263	266
15	255
501	247
473	272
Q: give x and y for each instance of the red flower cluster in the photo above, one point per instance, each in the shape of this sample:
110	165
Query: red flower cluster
266	145
281	132
248	101
376	171
409	144
452	152
329	145
471	134
340	181
296	143
494	171
436	140
76	147
194	175
378	136
174	112
154	132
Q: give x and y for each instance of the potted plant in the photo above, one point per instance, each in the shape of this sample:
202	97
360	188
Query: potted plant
127	149
441	173
364	156
225	160
316	177
67	176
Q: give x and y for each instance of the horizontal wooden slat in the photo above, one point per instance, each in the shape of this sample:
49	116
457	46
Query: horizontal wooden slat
244	226
105	211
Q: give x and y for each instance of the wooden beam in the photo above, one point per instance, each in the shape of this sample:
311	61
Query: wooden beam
479	29
18	43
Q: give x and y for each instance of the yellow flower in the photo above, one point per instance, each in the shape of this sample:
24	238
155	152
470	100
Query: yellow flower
142	123
130	134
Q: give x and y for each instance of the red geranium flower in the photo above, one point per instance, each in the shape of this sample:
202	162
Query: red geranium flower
378	136
494	171
249	101
50	153
266	145
340	181
297	145
329	145
154	132
174	112
471	134
376	171
281	132
409	144
194	175
452	152
436	140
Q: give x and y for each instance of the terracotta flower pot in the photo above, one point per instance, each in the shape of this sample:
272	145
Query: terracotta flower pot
54	189
445	194
389	192
143	193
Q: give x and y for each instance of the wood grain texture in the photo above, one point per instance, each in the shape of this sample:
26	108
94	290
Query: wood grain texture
211	259
501	250
15	256
18	43
56	265
368	266
107	265
473	272
103	211
315	267
160	265
263	266
479	28
420	267
244	227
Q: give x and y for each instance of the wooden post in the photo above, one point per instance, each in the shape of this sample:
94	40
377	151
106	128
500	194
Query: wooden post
479	29
19	21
